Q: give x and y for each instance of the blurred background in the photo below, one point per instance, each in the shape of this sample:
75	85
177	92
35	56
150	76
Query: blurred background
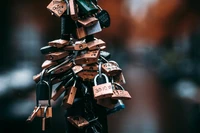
155	42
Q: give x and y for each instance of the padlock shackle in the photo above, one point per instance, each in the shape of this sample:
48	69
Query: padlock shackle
117	84
104	75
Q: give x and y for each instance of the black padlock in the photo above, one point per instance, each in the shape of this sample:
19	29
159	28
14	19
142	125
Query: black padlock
43	88
103	17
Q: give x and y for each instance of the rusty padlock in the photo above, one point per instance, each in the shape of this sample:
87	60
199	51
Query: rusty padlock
89	57
76	46
102	90
96	44
57	7
59	43
119	92
48	63
69	97
56	55
89	21
78	121
73	10
111	69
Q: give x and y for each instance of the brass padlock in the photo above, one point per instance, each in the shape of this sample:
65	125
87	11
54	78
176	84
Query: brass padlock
57	7
56	55
93	29
78	121
88	58
110	69
89	21
69	97
59	43
91	67
87	7
96	44
80	32
48	63
73	10
119	92
102	90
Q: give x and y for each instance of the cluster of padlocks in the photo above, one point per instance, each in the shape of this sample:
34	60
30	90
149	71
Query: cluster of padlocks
78	68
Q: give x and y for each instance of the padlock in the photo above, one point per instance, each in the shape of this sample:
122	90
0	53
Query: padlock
118	107
77	47
91	67
107	102
105	55
57	7
76	69
44	111
48	63
33	114
102	90
89	21
59	43
69	97
62	68
43	87
73	10
87	75
96	44
120	93
103	17
110	69
49	49
93	29
119	78
56	55
58	91
80	32
87	7
78	121
46	120
89	57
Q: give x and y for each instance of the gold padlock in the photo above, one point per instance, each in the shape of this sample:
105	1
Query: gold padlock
120	93
69	97
78	121
89	57
57	7
102	90
89	21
